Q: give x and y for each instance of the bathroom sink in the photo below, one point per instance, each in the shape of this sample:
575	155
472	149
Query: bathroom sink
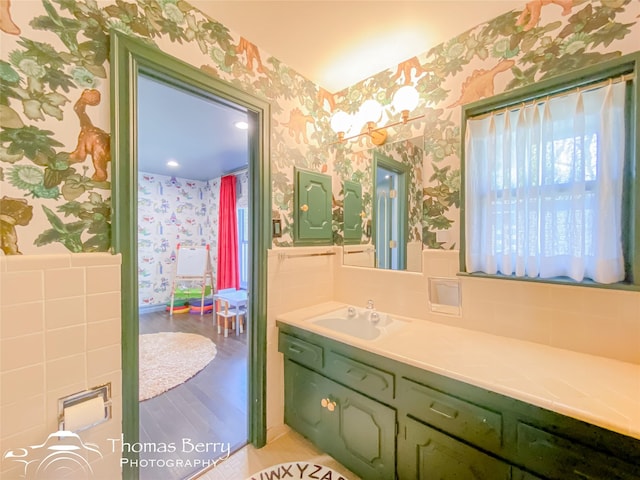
357	325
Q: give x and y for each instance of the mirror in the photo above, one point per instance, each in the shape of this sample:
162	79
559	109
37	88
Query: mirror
381	192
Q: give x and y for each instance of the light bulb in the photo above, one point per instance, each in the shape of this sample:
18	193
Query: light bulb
405	99
370	111
341	122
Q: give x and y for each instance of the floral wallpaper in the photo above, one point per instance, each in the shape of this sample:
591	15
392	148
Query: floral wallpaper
172	211
54	111
513	50
54	102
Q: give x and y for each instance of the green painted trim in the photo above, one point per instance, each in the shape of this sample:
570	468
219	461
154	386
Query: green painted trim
632	201
554	281
304	242
552	86
626	64
124	178
380	159
129	57
352	237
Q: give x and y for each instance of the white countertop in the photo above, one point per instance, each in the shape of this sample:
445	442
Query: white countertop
597	390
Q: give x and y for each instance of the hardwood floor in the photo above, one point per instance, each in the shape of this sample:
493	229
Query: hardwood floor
201	419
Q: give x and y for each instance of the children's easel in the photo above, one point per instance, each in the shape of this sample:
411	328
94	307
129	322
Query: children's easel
192	263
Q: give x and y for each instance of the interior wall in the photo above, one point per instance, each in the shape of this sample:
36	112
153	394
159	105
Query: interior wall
491	58
54	179
295	280
507	52
510	51
67	129
583	319
60	324
172	211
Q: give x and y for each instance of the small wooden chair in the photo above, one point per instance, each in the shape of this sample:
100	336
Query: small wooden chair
225	316
242	320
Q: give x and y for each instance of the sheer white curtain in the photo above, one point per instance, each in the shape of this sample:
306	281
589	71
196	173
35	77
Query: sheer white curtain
543	188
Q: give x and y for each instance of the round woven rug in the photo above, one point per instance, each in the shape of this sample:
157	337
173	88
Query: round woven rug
168	359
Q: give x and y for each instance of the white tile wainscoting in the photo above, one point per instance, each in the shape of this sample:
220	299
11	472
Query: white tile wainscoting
59	334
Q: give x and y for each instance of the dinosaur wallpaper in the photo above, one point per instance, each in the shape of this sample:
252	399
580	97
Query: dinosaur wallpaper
54	102
545	38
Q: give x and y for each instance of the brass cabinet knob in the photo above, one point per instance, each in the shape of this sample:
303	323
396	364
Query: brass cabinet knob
324	402
331	406
304	207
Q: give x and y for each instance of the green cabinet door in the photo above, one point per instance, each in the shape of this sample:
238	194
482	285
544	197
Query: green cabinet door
303	410
352	209
356	430
427	454
312	208
517	474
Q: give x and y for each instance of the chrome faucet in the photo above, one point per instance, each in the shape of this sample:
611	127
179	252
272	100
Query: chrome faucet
372	315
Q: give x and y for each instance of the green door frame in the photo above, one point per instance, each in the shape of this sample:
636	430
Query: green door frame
129	57
381	160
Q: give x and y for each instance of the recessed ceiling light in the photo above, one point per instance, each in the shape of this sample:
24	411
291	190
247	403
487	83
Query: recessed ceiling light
242	125
172	163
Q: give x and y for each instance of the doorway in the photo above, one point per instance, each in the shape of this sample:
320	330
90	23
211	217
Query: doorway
390	212
192	148
130	60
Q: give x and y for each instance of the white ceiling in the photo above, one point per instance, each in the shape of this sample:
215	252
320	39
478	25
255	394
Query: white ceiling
334	43
198	133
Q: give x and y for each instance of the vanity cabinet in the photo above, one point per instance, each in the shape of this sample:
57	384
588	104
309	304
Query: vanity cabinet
424	453
562	458
356	430
382	418
312	208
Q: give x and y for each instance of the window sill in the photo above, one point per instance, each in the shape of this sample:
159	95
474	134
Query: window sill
555	281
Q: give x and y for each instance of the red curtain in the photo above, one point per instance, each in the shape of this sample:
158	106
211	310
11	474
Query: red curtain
228	269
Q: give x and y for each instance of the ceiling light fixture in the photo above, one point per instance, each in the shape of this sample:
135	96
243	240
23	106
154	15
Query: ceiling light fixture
242	125
404	101
172	163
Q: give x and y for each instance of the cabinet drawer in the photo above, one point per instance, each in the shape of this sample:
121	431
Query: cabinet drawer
563	459
301	351
361	377
478	425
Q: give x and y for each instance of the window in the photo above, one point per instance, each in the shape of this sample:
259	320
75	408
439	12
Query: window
243	246
549	182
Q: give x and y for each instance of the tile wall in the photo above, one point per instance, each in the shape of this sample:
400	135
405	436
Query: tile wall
294	281
584	319
59	334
